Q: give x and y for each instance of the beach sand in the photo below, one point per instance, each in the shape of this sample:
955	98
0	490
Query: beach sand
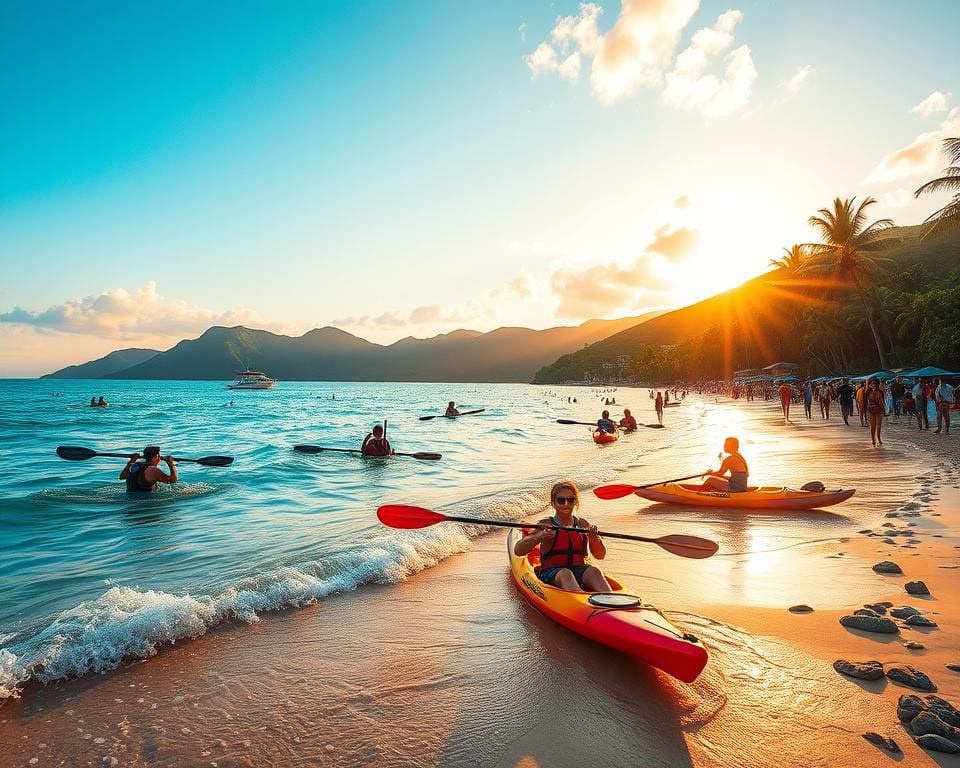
452	668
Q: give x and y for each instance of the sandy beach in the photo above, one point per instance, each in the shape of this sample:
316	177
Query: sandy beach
452	668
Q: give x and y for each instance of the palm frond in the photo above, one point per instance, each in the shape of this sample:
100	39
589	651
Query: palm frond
951	180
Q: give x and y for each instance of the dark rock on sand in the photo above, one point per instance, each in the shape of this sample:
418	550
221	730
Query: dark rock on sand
866	612
913	645
944	710
871	624
904	612
920	621
863	670
800	609
953	667
936	743
927	722
916	588
878	608
882	741
909	706
887	566
866	530
911	676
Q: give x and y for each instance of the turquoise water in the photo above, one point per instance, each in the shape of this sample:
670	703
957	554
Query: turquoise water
90	575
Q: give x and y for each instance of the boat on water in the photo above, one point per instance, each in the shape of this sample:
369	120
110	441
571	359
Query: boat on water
252	380
755	497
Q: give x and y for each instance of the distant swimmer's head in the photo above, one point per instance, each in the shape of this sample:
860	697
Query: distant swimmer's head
378	431
731	445
564	494
606	414
151	453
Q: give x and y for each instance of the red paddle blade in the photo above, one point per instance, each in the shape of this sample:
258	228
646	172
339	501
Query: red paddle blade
608	492
404	516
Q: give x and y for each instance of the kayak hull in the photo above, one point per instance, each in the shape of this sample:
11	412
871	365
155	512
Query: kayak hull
756	498
642	631
602	438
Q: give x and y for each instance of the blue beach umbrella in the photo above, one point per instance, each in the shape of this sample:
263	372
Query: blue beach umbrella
929	372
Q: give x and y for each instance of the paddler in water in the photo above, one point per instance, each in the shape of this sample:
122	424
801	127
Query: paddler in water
563	553
605	424
451	409
143	476
628	423
375	444
735	464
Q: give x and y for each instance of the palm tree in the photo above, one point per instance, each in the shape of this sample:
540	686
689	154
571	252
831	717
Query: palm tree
947	217
791	260
850	250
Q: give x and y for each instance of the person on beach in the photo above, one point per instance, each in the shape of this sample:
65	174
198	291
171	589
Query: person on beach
451	409
826	397
143	476
563	553
910	407
605	423
920	398
897	390
858	400
628	423
376	443
735	464
845	398
808	399
874	402
786	397
658	406
944	395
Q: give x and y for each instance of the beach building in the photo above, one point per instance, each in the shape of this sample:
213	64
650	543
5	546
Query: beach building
782	369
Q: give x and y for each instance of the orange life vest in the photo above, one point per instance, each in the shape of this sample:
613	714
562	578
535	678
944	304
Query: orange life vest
568	548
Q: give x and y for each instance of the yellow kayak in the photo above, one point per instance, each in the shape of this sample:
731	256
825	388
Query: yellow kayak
755	497
618	619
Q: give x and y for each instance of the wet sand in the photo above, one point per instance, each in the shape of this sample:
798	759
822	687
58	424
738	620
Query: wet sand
452	668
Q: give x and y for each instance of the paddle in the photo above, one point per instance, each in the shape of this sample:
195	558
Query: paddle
608	492
594	424
320	449
74	453
404	516
444	416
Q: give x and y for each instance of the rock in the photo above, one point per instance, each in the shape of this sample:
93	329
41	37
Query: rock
882	741
916	588
888	525
953	667
943	709
879	624
866	612
920	621
863	670
904	612
913	645
911	676
866	530
888	540
909	706
878	608
800	608
937	743
887	566
927	722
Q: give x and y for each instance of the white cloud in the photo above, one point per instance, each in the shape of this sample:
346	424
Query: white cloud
428	314
798	80
691	87
522	286
935	102
522	29
919	158
580	29
118	314
544	60
898	198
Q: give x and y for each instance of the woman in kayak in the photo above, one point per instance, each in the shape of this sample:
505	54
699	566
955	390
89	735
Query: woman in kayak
605	424
628	423
452	409
563	553
735	464
375	443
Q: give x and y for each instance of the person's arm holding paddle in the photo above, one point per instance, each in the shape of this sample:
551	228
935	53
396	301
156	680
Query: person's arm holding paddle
597	548
126	469
533	540
163	477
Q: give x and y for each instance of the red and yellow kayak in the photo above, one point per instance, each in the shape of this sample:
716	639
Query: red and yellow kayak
632	626
601	438
755	497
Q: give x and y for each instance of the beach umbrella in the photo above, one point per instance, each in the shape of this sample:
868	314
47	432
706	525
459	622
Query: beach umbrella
878	375
929	372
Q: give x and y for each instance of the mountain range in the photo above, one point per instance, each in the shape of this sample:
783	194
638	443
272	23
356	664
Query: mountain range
330	354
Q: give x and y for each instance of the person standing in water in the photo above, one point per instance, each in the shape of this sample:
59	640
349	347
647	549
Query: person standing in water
451	409
143	476
563	553
658	406
735	465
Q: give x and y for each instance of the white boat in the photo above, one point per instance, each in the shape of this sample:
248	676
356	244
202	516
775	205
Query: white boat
252	380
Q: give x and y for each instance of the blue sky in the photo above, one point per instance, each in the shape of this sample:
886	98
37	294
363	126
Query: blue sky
409	168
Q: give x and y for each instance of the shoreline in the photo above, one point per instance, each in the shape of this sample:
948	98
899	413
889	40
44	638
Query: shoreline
441	669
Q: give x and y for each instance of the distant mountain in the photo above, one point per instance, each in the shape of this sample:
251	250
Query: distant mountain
330	354
105	366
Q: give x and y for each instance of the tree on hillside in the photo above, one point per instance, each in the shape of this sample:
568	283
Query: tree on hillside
791	260
850	250
947	217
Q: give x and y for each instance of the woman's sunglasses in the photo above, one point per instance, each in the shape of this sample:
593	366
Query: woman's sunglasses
565	499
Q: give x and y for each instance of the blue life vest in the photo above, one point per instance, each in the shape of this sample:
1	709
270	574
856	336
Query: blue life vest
137	479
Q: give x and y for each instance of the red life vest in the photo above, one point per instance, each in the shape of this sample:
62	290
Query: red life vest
374	447
568	548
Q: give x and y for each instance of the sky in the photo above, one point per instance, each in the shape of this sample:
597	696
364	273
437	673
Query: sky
406	169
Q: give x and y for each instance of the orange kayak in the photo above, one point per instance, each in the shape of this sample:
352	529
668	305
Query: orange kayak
601	438
755	497
618	619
